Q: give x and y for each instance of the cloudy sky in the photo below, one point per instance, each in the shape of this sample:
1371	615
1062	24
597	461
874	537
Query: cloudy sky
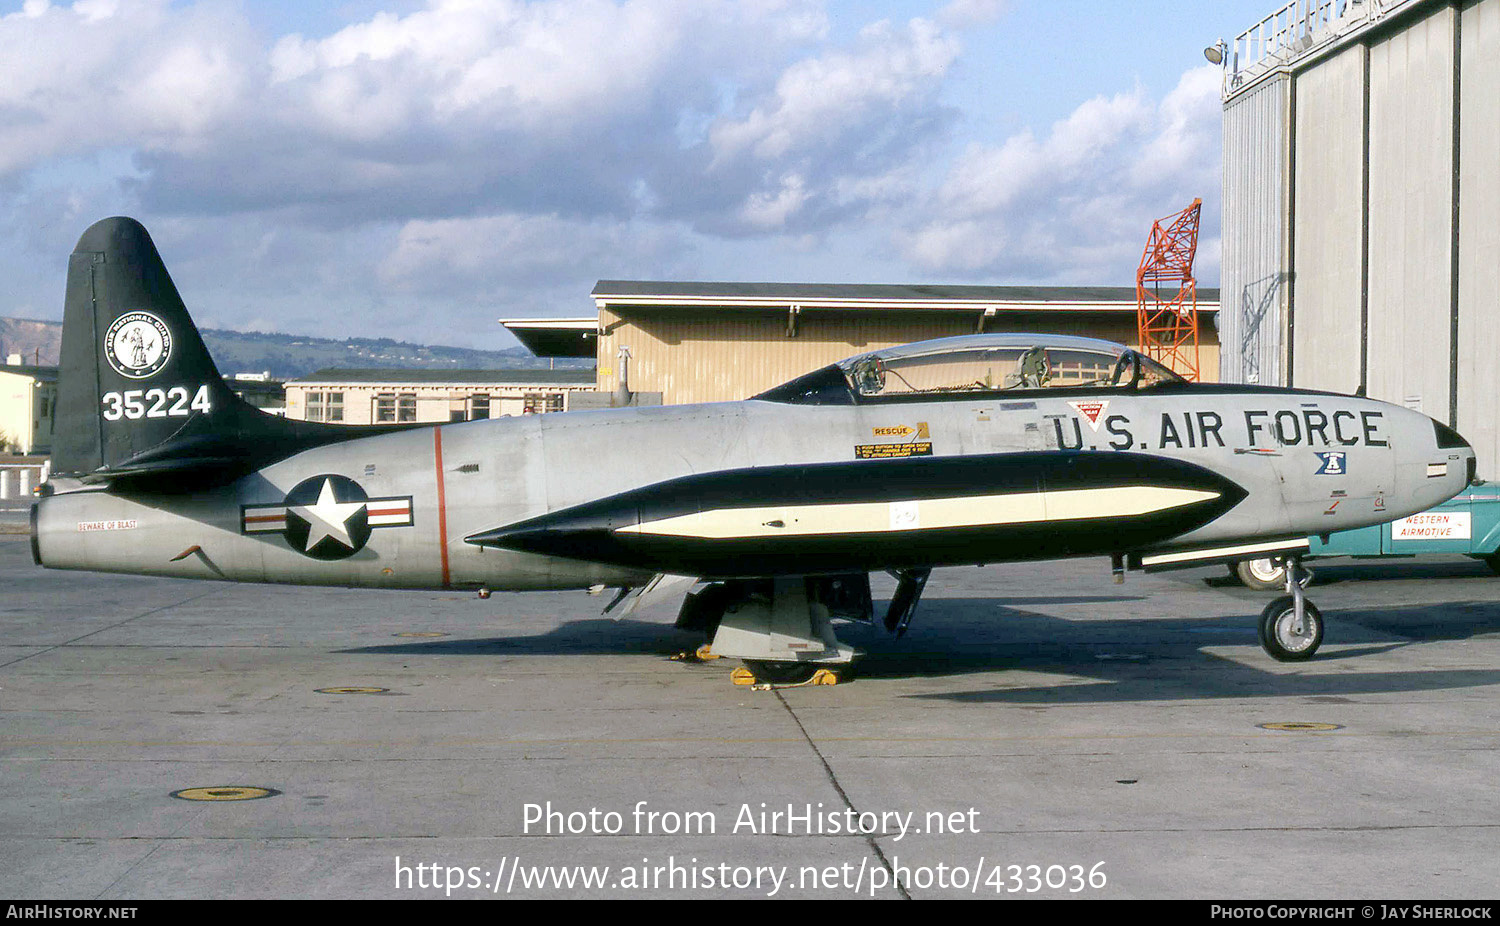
416	170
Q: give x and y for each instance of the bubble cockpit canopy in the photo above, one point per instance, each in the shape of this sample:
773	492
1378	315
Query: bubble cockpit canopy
975	365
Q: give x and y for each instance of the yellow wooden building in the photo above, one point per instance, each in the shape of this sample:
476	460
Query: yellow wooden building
707	342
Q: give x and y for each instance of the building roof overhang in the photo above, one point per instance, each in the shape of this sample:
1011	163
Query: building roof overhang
555	337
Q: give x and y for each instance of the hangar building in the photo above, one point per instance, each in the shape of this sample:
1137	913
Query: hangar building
1361	236
710	342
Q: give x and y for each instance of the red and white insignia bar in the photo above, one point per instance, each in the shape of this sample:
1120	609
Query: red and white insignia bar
389	512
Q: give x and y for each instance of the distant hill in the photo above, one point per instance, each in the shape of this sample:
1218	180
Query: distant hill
288	356
36	342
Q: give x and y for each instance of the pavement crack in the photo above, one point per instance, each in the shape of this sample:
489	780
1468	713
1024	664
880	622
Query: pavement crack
833	779
165	607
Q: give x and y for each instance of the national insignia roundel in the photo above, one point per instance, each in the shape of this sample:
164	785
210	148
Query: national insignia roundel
327	517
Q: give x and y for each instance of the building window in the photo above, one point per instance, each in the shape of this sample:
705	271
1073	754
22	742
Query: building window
479	407
385	407
406	407
325	406
538	403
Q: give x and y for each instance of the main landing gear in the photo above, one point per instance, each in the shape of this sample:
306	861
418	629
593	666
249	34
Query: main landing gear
1291	629
782	627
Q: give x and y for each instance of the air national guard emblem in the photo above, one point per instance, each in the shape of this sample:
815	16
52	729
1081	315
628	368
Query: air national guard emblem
327	517
138	344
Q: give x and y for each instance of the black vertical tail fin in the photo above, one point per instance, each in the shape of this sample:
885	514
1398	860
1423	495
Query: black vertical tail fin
140	404
134	371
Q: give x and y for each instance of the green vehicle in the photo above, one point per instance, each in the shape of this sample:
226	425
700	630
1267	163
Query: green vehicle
1468	523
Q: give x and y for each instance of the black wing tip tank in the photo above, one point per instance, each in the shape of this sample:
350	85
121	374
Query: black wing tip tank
639	527
141	404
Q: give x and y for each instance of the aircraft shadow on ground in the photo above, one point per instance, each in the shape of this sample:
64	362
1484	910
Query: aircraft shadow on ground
1142	660
599	636
1336	571
1115	659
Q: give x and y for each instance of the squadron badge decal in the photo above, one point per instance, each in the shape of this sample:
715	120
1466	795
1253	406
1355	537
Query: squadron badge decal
1091	411
327	517
138	344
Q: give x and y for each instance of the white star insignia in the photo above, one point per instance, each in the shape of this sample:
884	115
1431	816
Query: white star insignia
328	518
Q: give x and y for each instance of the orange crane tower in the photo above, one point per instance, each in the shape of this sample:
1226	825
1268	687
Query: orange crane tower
1168	327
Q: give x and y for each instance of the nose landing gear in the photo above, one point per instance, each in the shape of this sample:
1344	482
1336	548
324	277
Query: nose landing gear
1291	628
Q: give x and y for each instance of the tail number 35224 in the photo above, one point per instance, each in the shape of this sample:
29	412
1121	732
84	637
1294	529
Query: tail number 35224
172	402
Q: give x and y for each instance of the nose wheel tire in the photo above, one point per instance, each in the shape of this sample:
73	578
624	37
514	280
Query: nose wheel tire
1280	635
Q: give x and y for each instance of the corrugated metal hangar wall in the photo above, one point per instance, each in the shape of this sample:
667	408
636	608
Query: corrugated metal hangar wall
1362	207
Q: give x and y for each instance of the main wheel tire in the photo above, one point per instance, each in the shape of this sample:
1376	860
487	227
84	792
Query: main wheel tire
780	673
1276	630
1263	575
1493	561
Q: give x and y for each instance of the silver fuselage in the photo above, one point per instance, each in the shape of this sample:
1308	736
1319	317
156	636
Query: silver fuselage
468	478
1310	464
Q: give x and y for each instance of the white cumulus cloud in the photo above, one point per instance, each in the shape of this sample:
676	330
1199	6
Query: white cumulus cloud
1076	205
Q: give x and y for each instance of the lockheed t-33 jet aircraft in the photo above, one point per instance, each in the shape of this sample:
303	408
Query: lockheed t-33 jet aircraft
958	451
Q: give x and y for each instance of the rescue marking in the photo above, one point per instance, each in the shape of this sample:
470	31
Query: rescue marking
892	451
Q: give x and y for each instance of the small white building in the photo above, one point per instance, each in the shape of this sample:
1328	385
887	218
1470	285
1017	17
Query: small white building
28	399
430	396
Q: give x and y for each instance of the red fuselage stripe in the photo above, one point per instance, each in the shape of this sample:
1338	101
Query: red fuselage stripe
442	506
